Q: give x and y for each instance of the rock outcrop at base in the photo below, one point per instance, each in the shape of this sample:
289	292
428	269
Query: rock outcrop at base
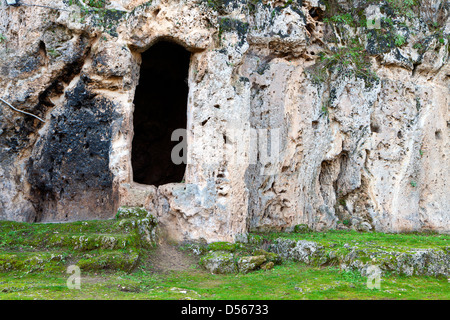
404	261
115	244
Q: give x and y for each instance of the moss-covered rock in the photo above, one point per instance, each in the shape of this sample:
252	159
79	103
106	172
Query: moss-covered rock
219	262
81	235
113	260
91	241
249	263
270	256
301	250
267	266
403	260
140	223
110	244
31	262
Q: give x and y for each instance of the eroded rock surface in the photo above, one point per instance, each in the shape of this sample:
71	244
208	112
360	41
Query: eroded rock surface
356	117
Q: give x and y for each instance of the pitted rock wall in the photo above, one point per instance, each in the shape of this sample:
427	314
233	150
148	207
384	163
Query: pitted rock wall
276	137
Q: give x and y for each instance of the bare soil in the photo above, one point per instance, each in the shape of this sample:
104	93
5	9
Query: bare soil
168	257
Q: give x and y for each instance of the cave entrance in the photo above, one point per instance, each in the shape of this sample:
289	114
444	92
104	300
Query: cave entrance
160	108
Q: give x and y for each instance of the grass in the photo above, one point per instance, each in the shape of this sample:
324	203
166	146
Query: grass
29	237
291	281
393	240
105	278
399	40
351	59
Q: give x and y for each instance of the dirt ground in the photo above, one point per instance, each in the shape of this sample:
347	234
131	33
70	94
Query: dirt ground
168	257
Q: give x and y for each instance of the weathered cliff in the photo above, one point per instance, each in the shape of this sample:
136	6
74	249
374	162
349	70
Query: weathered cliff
332	114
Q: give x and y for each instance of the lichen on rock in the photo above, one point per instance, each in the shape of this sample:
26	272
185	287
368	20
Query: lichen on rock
138	220
219	262
249	263
403	261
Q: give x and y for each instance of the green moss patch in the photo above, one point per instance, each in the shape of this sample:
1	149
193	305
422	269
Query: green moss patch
114	260
290	281
92	245
351	237
32	262
404	254
221	246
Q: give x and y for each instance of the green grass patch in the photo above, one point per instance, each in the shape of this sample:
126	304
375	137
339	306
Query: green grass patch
83	235
351	237
292	281
32	270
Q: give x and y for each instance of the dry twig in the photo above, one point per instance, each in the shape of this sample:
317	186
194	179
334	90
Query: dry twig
24	112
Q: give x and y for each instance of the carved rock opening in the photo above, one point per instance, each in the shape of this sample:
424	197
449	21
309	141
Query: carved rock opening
160	108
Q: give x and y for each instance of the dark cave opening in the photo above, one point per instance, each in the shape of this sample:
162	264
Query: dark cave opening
160	107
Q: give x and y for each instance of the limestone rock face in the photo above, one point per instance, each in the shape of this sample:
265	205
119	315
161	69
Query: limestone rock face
291	118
